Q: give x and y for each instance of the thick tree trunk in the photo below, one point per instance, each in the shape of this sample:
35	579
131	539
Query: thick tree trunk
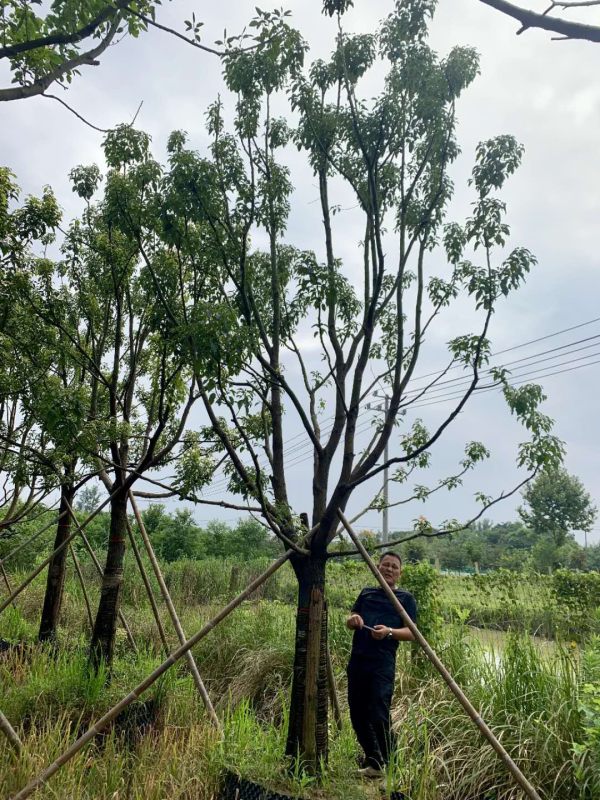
105	626
56	571
307	732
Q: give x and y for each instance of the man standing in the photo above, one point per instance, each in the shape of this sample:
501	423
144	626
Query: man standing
377	630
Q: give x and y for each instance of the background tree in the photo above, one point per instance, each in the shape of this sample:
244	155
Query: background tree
547	19
99	302
238	308
556	504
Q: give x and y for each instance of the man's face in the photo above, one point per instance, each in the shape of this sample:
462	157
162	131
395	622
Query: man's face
390	569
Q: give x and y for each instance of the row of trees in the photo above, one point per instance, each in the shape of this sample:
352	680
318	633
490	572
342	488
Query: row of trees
179	290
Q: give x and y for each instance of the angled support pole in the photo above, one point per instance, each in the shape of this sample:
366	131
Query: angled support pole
86	598
31	539
6	581
102	723
514	770
10	733
149	592
173	614
333	695
47	560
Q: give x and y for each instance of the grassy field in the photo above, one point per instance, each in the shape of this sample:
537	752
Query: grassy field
543	702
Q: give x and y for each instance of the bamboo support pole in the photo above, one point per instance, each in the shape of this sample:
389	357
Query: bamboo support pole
6	581
173	614
68	754
31	539
149	592
10	733
333	695
451	683
86	598
100	571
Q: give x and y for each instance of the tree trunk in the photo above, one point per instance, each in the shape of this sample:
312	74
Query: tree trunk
307	737
105	626
56	571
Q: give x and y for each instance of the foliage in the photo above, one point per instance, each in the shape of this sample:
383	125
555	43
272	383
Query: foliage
44	45
557	503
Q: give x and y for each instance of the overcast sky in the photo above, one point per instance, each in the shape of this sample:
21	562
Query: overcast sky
545	93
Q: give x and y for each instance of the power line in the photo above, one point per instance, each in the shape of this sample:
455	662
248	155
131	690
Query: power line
454	393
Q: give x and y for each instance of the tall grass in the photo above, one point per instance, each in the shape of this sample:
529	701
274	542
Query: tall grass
543	703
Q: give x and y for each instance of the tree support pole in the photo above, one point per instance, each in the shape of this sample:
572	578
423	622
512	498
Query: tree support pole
82	584
147	682
31	539
41	567
432	656
173	614
149	592
79	530
10	733
46	561
333	695
6	581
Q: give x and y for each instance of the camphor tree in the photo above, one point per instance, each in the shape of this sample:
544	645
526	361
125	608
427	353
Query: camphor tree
138	388
222	264
556	504
26	478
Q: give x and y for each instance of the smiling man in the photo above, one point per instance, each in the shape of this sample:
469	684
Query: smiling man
377	630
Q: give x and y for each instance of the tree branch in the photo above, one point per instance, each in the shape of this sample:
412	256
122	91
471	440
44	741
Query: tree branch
41	84
531	19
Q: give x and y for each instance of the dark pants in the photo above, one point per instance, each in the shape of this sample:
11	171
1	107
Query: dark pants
370	689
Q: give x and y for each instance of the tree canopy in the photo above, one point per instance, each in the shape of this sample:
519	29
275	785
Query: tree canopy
556	504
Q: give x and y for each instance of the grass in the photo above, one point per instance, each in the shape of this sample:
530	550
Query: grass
535	699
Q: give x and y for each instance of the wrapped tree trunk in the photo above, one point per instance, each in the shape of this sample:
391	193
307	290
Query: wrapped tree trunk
307	737
105	625
56	570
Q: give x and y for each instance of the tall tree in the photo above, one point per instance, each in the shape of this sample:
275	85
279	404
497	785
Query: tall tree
556	504
26	475
238	295
104	312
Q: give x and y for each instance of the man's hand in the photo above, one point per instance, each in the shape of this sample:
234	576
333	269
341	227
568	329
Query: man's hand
355	622
380	632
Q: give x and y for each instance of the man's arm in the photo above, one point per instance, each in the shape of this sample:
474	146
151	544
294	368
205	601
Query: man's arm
355	621
398	634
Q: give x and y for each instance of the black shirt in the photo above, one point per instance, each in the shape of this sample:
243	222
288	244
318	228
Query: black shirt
375	608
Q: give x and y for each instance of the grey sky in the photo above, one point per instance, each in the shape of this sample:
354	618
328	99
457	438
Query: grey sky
545	93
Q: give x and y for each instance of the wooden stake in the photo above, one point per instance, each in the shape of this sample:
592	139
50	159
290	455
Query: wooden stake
432	656
10	733
173	614
82	584
148	681
149	592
